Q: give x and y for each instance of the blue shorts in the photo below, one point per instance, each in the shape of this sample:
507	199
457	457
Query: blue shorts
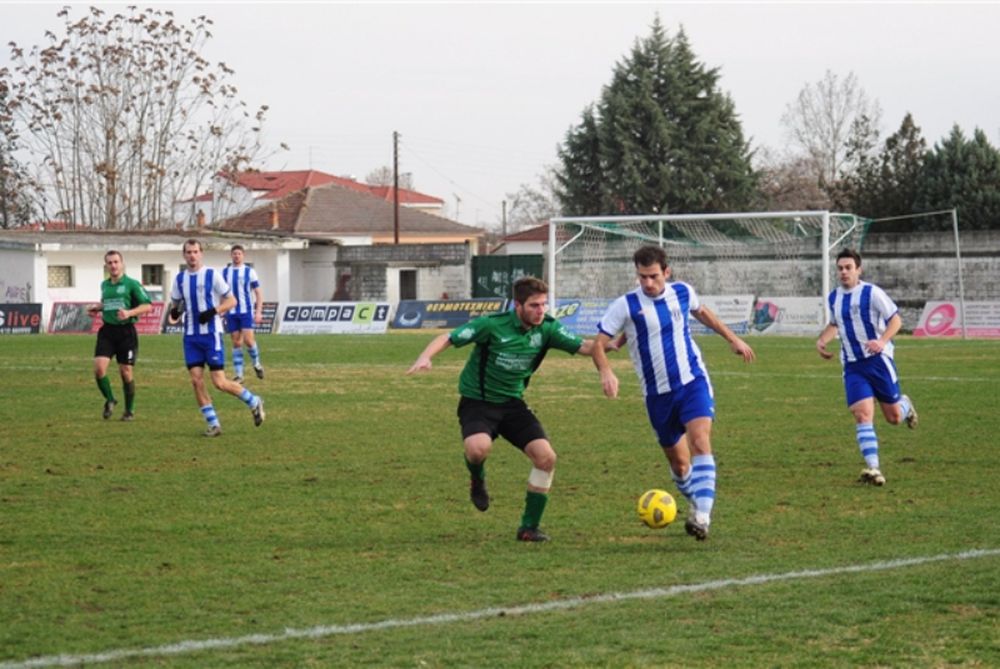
206	349
872	377
671	412
237	322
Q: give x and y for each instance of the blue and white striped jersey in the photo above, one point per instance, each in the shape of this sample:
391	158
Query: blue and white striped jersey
243	280
663	352
861	315
201	290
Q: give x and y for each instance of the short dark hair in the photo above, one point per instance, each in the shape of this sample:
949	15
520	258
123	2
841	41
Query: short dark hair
650	255
236	247
112	252
192	242
527	286
852	254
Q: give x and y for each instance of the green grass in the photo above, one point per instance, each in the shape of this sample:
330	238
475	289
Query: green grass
349	506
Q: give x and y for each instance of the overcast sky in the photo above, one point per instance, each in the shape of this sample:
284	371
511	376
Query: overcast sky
482	93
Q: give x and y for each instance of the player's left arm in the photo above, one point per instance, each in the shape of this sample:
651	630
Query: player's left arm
891	330
705	316
258	305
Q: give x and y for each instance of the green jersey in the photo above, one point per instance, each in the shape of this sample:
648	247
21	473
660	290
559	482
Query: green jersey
126	294
506	354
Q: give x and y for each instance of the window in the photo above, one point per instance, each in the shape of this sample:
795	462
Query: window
60	276
152	275
407	284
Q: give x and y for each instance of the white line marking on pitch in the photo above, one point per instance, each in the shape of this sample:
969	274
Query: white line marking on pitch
184	647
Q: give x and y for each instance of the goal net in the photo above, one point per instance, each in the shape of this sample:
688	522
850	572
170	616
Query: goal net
753	255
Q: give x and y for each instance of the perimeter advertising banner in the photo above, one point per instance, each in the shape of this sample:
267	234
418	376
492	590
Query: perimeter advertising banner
72	318
944	319
733	310
21	318
268	313
789	315
581	316
334	318
448	314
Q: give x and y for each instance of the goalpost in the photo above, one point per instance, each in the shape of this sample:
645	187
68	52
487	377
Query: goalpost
760	253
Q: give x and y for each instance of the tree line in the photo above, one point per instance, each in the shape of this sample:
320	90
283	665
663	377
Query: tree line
120	121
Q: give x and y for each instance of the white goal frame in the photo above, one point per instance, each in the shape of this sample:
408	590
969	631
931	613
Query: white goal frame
828	244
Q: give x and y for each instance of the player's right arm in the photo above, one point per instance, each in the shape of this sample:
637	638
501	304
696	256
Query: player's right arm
609	382
438	344
828	333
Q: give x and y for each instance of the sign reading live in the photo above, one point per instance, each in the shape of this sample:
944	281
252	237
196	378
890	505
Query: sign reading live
20	318
413	314
73	318
944	319
334	318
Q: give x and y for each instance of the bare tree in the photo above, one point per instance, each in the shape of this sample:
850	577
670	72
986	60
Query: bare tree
532	205
788	183
16	186
820	119
382	176
124	117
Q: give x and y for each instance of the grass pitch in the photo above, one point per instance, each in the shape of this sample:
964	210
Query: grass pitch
340	532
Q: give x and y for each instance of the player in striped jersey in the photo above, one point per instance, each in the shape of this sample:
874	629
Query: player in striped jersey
655	319
866	319
199	296
247	312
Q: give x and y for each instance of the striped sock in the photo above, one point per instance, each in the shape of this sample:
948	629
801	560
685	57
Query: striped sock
254	355
905	406
683	484
868	444
249	398
208	411
238	360
702	485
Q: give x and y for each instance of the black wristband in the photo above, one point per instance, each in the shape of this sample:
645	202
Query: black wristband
206	315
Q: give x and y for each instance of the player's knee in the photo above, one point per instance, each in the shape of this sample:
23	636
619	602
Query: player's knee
540	479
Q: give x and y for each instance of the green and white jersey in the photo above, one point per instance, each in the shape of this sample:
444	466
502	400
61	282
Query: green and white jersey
506	354
126	294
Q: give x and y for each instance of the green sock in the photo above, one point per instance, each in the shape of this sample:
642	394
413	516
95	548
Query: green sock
477	470
534	507
129	395
105	387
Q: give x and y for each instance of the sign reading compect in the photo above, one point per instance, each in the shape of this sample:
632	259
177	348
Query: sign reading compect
334	318
20	318
413	314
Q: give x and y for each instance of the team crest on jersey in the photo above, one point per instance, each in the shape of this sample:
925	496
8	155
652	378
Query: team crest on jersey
536	340
466	334
120	290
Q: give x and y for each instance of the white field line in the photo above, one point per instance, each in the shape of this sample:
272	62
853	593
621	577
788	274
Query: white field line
836	375
194	646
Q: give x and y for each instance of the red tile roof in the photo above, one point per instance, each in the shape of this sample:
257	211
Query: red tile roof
279	184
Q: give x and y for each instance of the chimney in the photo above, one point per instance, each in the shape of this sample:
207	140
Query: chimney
274	216
200	219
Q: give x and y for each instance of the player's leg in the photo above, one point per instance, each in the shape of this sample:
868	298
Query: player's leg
204	400
128	352
896	407
478	421
702	476
543	465
254	402
103	352
522	428
250	343
233	324
861	404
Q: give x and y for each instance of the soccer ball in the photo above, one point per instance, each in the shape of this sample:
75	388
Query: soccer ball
657	508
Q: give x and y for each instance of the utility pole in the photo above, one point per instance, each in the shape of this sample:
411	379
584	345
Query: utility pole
503	219
395	187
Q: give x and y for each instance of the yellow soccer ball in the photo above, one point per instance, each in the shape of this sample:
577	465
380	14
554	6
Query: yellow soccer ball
657	508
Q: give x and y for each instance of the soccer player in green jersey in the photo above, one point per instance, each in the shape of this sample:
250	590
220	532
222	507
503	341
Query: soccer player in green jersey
509	348
123	301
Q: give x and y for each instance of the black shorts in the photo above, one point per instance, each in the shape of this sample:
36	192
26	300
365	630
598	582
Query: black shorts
512	420
117	341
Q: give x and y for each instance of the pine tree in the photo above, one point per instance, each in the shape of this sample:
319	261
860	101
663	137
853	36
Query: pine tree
663	138
965	175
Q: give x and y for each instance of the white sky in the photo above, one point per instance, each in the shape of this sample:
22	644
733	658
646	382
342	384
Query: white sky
482	93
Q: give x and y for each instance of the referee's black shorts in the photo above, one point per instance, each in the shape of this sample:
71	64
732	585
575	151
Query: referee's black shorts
512	420
120	342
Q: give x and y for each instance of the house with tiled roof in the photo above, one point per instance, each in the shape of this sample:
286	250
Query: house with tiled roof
233	194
